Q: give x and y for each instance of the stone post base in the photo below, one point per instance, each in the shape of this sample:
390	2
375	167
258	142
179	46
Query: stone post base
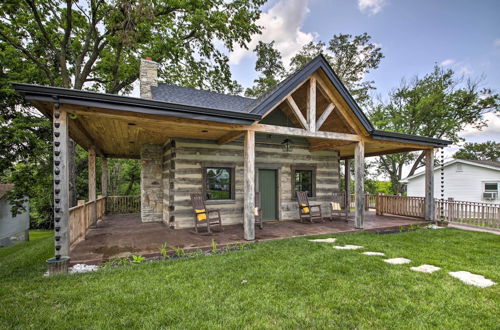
58	266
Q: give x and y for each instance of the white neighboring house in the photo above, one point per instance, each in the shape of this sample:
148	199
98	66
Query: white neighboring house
12	229
464	180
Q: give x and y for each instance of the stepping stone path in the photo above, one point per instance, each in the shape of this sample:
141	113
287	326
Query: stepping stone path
369	253
472	279
397	261
348	247
323	240
82	268
425	268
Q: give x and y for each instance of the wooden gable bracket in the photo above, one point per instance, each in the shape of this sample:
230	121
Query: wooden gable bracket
296	111
321	120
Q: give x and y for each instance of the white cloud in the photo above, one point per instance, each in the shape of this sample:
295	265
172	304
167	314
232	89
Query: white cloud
490	132
371	7
447	62
282	24
465	70
496	42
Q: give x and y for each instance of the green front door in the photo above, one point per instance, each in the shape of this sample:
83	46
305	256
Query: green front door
268	194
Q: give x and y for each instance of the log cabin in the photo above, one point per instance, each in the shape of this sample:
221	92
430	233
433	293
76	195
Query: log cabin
226	147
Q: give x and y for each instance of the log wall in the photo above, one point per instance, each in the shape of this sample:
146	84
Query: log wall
183	161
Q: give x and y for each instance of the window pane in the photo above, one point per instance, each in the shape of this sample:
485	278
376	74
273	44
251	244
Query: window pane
491	186
303	181
218	184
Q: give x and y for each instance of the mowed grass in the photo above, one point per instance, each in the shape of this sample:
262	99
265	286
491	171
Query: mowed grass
292	283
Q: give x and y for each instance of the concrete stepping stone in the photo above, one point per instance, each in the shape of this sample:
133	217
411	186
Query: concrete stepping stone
370	253
323	240
348	247
472	279
425	268
397	261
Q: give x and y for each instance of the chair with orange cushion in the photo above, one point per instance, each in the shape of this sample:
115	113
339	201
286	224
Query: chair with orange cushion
204	215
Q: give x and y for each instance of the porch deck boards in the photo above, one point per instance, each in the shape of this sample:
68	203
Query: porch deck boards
125	234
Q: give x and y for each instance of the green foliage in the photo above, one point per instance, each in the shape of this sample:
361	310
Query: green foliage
382	295
97	46
271	69
438	105
165	247
214	247
137	259
350	57
489	150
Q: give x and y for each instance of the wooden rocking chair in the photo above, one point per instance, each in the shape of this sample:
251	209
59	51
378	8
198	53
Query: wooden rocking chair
306	210
339	206
258	211
202	214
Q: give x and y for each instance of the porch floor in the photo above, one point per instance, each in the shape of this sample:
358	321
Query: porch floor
124	234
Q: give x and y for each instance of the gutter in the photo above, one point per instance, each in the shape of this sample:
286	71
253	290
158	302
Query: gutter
400	137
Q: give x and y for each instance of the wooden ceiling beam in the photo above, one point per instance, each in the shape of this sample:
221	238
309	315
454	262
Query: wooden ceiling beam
290	131
230	137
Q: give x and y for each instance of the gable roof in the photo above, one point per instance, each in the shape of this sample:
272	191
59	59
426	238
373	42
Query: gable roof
200	98
181	102
489	164
4	188
276	94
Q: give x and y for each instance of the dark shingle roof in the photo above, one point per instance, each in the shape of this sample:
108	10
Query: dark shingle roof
486	162
200	98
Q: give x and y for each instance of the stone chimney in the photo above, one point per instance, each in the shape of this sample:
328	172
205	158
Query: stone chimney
148	77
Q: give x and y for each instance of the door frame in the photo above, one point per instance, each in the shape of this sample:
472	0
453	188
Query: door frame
277	168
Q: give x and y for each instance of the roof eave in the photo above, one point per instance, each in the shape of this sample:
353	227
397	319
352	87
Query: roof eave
131	104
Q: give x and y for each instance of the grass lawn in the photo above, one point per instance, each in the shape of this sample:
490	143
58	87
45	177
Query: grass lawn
292	283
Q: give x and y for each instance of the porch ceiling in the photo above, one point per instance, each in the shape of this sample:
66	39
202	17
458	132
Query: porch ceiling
120	134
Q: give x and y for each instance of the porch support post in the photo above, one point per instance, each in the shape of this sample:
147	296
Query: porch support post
249	186
92	183
347	181
61	182
104	176
359	172
429	186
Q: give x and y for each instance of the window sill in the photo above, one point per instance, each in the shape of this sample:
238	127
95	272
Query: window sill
220	201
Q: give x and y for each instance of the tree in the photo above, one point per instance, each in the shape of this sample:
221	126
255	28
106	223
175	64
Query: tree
438	105
350	57
271	69
489	150
96	45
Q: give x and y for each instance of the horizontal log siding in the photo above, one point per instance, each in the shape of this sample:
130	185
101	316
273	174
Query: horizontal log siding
187	176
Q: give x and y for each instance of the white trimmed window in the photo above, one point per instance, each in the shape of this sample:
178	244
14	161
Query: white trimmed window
490	190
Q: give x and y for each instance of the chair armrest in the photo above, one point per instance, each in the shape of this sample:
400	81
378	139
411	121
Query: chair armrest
213	210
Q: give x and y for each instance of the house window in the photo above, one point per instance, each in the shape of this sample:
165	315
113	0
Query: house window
219	183
304	179
490	190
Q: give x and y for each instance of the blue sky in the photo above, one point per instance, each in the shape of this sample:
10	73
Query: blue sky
414	35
